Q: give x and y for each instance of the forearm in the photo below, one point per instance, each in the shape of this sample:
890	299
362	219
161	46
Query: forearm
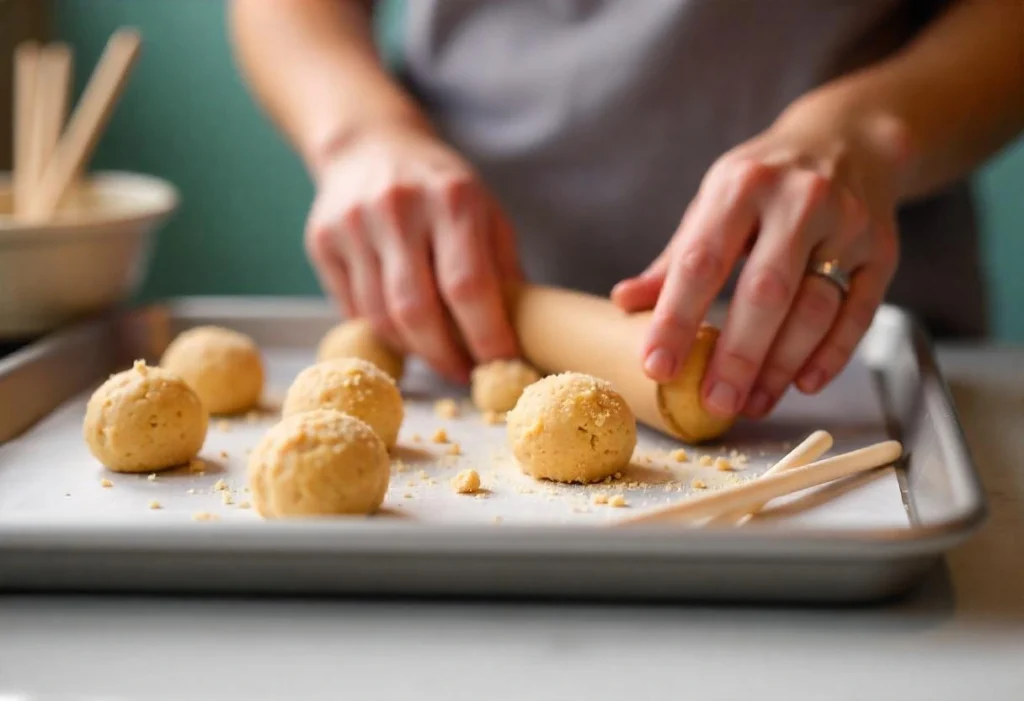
313	66
956	94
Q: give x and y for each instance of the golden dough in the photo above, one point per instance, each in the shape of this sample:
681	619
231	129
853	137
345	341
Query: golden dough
224	367
571	428
356	339
496	385
351	385
318	463
143	420
679	400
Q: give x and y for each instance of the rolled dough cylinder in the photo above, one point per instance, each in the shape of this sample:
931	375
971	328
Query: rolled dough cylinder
562	330
318	463
143	420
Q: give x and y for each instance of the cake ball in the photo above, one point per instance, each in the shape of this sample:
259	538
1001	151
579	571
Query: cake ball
224	367
354	386
143	420
571	427
356	339
496	386
318	463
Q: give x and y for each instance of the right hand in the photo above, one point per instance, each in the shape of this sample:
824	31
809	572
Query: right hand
403	233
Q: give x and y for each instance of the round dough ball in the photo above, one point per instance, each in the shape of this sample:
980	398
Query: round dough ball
571	428
224	367
496	385
143	420
679	400
354	386
318	463
356	339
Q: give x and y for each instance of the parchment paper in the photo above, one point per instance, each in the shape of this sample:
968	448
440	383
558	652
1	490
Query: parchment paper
48	471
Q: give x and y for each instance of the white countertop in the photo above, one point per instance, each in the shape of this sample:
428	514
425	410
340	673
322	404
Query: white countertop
960	637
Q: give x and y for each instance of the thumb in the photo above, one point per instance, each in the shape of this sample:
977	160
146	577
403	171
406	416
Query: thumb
640	293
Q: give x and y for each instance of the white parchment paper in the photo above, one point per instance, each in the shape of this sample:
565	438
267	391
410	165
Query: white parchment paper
48	471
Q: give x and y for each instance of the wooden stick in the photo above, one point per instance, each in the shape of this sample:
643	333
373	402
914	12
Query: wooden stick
747	496
26	71
812	448
88	120
54	88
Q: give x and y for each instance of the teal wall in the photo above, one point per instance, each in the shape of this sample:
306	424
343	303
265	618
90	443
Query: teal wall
186	117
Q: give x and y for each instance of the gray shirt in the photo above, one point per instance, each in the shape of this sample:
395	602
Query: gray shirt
593	121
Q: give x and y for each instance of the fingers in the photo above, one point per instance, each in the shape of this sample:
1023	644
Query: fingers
710	240
409	287
867	291
812	314
330	268
640	293
364	274
468	274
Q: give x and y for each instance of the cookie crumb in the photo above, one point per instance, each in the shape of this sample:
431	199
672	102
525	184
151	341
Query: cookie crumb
244	505
698	483
407	495
152	477
227	499
196	465
668	487
205	516
224	426
105	483
455	449
493	418
618	501
440	436
190	491
446	408
220	485
679	455
600	499
723	465
466	482
498	519
224	454
706	461
154	505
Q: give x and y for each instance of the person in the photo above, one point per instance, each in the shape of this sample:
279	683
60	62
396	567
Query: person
805	158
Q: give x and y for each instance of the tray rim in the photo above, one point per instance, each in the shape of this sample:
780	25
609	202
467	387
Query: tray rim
419	537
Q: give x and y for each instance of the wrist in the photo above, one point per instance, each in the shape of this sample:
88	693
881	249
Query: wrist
335	141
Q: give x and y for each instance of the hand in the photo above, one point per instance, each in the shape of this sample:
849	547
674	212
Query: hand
403	234
814	187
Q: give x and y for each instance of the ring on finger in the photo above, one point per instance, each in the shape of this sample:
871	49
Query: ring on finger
831	271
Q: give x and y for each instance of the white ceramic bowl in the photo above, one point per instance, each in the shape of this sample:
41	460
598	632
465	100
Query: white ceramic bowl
92	255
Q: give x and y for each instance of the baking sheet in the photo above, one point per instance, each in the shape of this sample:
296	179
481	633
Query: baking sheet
48	472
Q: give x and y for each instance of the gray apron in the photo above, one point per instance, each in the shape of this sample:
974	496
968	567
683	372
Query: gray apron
593	121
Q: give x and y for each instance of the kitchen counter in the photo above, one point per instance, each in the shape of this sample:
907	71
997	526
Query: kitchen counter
960	636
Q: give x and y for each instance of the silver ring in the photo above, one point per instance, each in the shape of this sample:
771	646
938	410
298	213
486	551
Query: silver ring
829	269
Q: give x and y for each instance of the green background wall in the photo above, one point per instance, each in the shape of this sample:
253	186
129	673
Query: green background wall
187	117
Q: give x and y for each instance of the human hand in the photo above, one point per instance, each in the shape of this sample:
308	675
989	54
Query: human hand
815	187
403	233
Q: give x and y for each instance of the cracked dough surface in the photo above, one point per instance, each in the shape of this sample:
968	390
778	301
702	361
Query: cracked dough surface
571	428
144	419
318	463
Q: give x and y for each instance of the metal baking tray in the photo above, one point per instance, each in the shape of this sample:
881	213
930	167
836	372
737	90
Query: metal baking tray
556	548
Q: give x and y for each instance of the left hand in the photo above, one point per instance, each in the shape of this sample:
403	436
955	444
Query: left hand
814	187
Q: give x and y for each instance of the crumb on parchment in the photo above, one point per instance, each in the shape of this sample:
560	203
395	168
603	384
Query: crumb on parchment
679	455
105	483
224	454
244	505
706	461
446	408
220	486
154	505
600	499
454	449
152	477
224	426
205	516
440	436
617	500
466	482
226	498
698	483
723	465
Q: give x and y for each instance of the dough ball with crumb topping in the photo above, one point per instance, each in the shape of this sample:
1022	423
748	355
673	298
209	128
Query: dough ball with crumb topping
496	385
354	386
143	420
571	428
224	367
356	339
318	463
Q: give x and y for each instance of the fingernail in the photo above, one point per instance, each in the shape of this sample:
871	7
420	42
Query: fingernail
812	380
723	398
758	404
660	364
